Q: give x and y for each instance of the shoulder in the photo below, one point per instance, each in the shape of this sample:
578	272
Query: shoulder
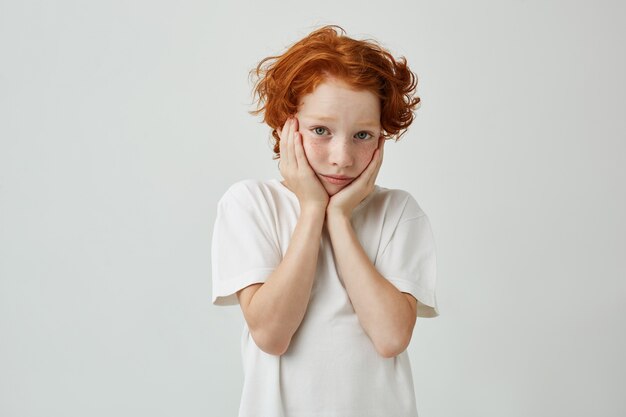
246	186
262	197
398	201
246	190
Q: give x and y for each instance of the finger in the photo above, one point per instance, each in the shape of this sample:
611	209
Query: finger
382	152
374	167
284	144
293	132
379	163
299	151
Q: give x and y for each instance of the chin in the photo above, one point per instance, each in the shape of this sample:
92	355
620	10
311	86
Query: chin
333	190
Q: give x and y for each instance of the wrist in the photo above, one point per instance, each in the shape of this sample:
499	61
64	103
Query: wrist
337	214
313	210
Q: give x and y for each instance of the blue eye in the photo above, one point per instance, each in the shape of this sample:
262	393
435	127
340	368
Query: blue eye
362	135
319	130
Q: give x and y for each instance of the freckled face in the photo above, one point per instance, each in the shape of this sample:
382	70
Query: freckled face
340	128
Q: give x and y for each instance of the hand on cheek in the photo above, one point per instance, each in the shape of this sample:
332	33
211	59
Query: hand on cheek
296	170
344	202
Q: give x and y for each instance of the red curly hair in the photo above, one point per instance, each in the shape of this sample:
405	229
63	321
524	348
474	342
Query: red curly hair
363	64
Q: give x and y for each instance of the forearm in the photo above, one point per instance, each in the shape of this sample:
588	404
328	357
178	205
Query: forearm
278	306
383	311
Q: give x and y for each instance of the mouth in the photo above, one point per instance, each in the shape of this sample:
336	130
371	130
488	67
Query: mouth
337	180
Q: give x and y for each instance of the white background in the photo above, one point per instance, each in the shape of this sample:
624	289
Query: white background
123	122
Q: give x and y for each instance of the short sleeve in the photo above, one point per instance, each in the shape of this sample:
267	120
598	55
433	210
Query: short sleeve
409	260
244	250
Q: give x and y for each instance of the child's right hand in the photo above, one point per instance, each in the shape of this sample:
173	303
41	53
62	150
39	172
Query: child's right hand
296	170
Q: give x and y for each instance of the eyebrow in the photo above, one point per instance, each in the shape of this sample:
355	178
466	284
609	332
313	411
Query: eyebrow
368	123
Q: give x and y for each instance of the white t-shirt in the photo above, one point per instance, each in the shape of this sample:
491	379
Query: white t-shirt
331	368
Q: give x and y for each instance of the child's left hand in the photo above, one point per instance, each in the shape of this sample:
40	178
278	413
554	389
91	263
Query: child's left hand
344	202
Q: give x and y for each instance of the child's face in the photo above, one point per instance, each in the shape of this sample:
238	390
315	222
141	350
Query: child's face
340	128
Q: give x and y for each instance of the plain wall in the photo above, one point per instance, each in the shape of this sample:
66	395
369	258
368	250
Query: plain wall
123	122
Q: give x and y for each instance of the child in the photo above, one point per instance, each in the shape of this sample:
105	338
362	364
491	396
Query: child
329	269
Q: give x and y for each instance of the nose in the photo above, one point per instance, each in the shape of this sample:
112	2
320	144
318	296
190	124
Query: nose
341	153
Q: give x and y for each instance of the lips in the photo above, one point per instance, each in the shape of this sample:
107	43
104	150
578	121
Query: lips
338	177
337	180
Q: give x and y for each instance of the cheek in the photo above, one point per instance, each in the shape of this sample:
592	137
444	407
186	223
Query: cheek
313	148
364	155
